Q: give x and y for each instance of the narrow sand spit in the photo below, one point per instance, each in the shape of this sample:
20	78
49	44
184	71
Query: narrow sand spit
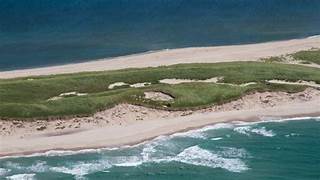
248	52
127	124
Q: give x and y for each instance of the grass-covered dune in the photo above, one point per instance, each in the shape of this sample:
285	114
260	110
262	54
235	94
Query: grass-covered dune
28	97
309	56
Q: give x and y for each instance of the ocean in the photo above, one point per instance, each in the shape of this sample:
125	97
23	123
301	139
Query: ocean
37	33
273	149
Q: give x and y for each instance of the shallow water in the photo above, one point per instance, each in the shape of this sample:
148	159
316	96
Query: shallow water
288	150
39	33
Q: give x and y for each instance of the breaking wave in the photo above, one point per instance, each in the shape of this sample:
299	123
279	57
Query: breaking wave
227	158
4	171
248	130
216	138
200	157
80	169
21	177
200	133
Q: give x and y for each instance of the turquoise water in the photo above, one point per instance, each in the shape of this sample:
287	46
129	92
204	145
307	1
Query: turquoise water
282	150
47	32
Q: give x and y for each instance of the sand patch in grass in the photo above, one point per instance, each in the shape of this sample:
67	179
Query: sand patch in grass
138	85
157	96
67	94
300	82
180	81
117	84
215	80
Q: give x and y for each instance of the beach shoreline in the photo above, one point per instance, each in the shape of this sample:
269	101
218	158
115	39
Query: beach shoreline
84	149
212	54
134	132
79	150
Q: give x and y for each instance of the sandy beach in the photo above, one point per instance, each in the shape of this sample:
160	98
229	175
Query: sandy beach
129	124
249	52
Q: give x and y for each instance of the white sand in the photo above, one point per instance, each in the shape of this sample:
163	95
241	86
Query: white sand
138	85
179	81
214	80
157	96
62	95
305	83
249	52
117	84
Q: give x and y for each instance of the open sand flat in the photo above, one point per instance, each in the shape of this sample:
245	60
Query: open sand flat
249	52
129	124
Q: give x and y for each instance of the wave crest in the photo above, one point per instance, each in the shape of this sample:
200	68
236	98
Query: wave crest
200	157
22	177
248	130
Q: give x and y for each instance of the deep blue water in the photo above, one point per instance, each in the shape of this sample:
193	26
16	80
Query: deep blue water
46	32
286	150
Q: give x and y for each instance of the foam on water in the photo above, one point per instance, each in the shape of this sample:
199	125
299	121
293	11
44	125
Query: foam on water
80	169
147	151
4	171
21	177
248	130
216	138
200	133
267	119
279	119
228	159
130	164
233	152
12	165
292	135
262	131
53	153
39	166
148	154
200	157
242	130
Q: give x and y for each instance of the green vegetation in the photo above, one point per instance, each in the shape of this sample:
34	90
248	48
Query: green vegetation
28	97
304	57
274	59
310	56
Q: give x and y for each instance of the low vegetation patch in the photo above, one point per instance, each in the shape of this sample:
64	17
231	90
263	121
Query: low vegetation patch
22	98
274	59
310	56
